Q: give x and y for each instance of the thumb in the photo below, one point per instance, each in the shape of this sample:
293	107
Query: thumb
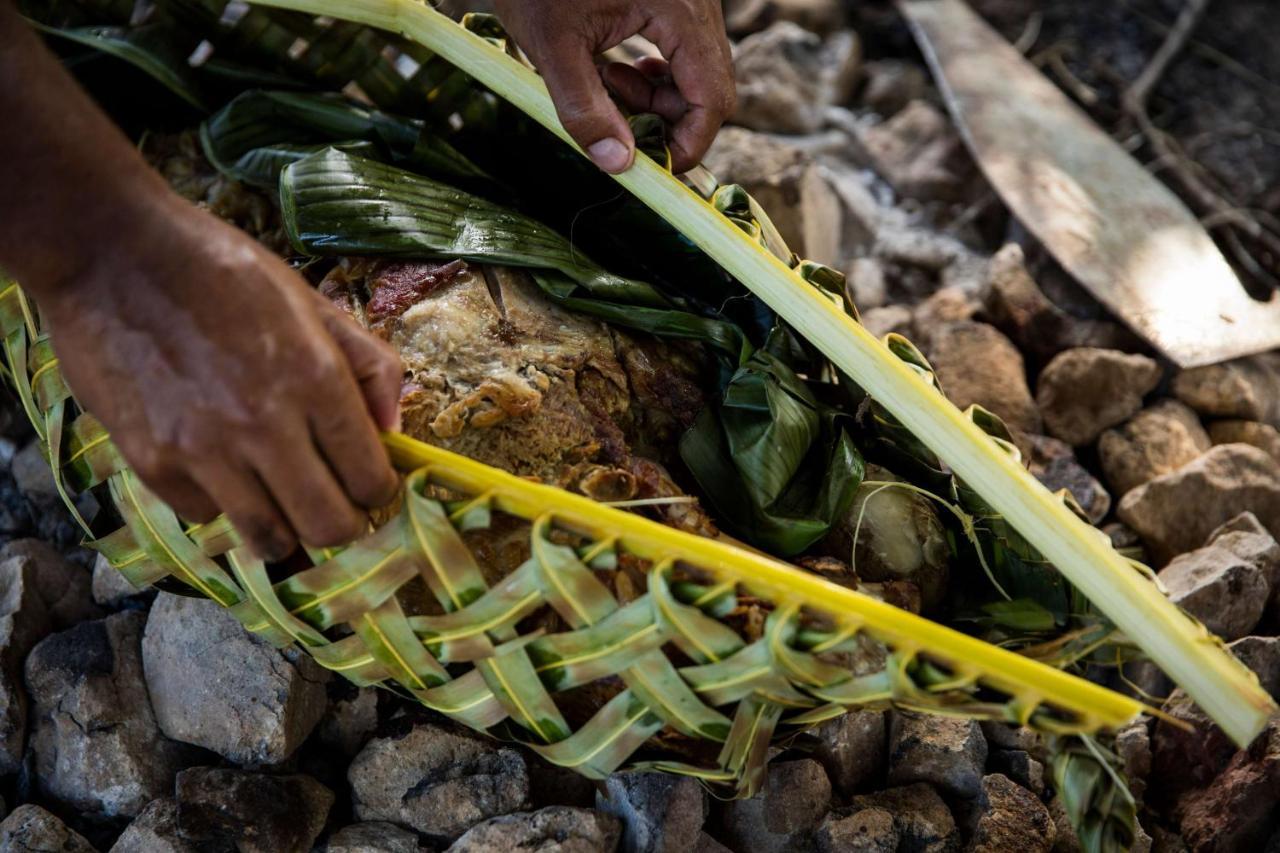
583	104
376	365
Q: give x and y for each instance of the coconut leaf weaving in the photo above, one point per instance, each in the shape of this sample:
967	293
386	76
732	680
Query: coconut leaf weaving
410	607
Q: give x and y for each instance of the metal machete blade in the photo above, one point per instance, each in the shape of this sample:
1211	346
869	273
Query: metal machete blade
1123	234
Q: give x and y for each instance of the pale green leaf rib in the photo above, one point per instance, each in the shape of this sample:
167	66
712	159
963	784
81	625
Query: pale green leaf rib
1221	685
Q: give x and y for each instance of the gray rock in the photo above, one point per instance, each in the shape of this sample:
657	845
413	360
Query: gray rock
1262	436
784	814
351	718
707	844
944	306
40	592
253	812
744	17
1012	820
1177	512
215	685
864	831
946	752
854	749
889	320
437	780
1020	309
1006	736
556	829
1085	390
918	152
373	837
1020	767
976	364
31	828
923	821
111	588
1190	753
659	813
1067	841
1133	746
1227	583
95	742
1158	440
155	830
890	84
33	476
1247	389
788	184
1054	464
787	77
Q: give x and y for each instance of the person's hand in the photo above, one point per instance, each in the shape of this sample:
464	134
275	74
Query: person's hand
226	382
691	87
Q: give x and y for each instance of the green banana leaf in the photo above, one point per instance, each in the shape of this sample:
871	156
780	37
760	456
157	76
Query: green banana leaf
255	136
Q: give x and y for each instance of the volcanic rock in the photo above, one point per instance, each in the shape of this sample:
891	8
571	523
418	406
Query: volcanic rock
155	830
96	745
1133	745
784	814
1157	441
923	821
31	828
918	152
1237	810
787	77
891	84
1177	512
1012	819
437	780
34	477
373	837
1019	766
1262	436
215	685
978	365
111	588
1189	758
785	182
889	319
947	752
40	592
865	283
658	813
1083	391
556	829
253	812
865	831
744	17
1227	583
1054	464
853	748
1247	389
351	718
1020	309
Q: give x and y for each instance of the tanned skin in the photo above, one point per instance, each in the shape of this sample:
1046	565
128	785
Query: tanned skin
228	384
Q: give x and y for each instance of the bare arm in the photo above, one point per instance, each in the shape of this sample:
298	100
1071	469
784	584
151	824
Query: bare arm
225	381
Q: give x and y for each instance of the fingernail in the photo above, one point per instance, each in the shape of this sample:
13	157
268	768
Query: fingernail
610	154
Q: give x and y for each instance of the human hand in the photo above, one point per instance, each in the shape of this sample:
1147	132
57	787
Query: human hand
691	86
226	382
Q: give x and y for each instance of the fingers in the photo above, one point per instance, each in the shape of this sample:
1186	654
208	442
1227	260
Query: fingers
376	365
646	87
246	503
184	497
348	441
583	103
315	505
702	70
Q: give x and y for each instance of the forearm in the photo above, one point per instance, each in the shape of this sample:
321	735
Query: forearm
71	185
